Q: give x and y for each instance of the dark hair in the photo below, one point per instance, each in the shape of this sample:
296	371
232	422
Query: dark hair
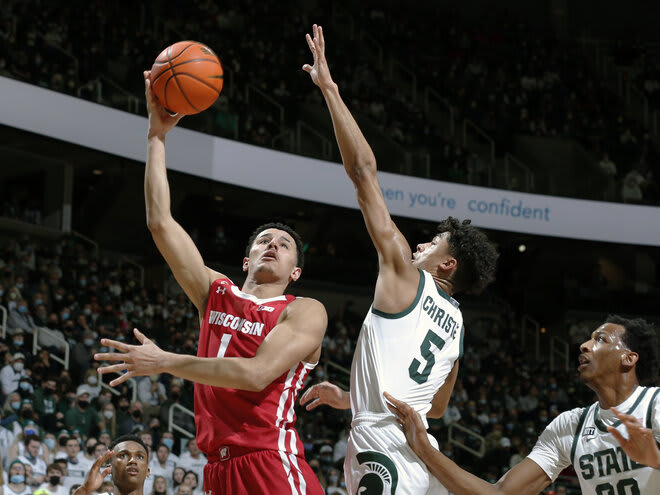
476	255
277	225
642	338
129	438
192	472
30	438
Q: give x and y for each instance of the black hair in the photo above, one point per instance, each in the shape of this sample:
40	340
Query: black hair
192	472
476	255
277	225
129	438
640	337
31	437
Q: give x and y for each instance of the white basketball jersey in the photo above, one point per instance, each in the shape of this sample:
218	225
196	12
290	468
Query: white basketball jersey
407	354
599	461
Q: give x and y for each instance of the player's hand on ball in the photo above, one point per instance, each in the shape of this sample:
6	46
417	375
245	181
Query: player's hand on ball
137	360
411	422
325	393
319	72
160	122
640	445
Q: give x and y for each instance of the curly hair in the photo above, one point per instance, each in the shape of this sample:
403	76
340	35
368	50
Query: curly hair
476	255
640	337
277	225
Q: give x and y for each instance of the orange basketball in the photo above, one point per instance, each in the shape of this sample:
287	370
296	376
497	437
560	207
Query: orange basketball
187	77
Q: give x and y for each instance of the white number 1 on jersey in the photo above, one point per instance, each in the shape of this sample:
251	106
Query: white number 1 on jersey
224	343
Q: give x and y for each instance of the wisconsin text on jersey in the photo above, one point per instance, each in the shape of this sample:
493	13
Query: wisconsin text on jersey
234	322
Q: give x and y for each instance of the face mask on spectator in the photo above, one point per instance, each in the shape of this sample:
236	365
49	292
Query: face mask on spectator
87	311
18	342
108	414
333	478
88	342
26	413
17	479
92	380
19	286
22	309
54	480
15	406
38	302
18	367
50	443
24	386
168	442
83	404
2	292
65	316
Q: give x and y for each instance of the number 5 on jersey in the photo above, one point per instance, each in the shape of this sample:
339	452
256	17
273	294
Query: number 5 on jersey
427	355
224	343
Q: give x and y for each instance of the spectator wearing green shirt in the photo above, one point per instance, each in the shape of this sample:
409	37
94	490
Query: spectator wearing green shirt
45	404
82	416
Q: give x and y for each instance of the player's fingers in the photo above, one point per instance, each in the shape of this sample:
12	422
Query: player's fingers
142	338
616	434
112	356
120	346
106	471
121	379
394	410
310	43
103	459
400	405
321	38
307	396
314	404
114	368
307	68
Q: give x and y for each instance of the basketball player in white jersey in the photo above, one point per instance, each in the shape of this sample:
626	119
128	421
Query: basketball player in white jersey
612	444
411	338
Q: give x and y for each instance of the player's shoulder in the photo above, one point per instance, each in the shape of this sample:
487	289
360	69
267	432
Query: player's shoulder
214	276
307	304
567	421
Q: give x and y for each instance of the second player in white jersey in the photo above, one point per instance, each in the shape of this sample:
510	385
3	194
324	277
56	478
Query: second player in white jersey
580	437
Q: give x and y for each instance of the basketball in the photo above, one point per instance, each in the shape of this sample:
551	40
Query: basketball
187	77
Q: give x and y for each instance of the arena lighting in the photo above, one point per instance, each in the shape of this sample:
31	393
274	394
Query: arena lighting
97	171
522	248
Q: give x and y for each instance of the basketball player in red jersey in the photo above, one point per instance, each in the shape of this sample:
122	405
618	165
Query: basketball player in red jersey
256	345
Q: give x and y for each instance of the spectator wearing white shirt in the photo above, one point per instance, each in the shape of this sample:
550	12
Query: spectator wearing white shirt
31	457
53	481
152	394
160	464
12	373
193	459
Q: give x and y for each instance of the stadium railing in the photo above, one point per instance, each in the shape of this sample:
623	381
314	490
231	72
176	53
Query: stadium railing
36	346
4	321
516	170
530	329
172	426
559	353
457	439
475	137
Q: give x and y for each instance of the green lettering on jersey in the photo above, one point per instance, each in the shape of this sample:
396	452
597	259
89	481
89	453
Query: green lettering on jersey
427	354
586	466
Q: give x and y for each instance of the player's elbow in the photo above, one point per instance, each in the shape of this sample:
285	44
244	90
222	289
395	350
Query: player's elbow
363	169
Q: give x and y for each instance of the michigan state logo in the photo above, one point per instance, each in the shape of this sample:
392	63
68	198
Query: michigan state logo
380	478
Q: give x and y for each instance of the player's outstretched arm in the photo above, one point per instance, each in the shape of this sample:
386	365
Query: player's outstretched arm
526	478
325	393
297	337
640	445
172	240
360	164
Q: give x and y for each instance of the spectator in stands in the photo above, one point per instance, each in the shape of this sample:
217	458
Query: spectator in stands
193	459
631	190
18	341
134	422
91	383
45	403
160	465
16	483
31	457
53	483
75	469
12	373
160	485
152	394
177	477
83	416
109	418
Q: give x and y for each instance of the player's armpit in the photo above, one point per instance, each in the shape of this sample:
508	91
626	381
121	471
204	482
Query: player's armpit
185	260
441	397
296	338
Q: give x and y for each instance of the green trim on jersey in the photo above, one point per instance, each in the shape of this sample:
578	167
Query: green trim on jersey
601	426
401	314
583	417
460	345
446	296
649	413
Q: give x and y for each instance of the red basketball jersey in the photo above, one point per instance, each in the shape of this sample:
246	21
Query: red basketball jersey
235	324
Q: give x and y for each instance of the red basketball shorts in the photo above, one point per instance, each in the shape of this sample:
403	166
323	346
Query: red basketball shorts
261	472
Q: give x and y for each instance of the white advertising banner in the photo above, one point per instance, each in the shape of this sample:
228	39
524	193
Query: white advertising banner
95	126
